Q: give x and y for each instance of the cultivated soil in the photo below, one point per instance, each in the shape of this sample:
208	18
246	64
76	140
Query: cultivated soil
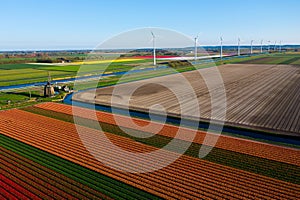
264	97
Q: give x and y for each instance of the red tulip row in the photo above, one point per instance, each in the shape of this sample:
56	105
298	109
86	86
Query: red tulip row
26	179
12	190
186	178
259	149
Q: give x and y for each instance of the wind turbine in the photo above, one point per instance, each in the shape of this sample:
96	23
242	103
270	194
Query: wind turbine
269	46
196	40
280	46
251	48
221	47
261	46
275	46
154	51
239	48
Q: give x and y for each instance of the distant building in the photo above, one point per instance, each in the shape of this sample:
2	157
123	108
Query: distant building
65	88
48	88
63	60
57	88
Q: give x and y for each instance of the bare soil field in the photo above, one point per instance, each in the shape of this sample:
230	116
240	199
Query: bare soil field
264	97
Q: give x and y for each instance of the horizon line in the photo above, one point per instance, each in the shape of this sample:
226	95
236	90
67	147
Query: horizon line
91	49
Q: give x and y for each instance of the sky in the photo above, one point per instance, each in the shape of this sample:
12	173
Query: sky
77	24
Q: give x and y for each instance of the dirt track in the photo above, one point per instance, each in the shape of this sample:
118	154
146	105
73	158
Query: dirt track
265	97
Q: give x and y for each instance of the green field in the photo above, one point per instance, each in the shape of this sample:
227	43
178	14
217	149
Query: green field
278	59
25	97
297	62
14	74
8	99
13	97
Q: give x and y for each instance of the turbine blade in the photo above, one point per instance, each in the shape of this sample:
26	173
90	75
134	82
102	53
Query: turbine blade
152	34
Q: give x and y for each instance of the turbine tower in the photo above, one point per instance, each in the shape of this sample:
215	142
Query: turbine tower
239	48
251	48
221	48
196	40
275	46
261	46
154	51
269	46
280	46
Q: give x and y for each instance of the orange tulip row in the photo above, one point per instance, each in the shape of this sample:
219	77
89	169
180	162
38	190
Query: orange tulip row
186	178
253	148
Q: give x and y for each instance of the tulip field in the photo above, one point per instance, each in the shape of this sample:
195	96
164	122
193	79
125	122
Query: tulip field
251	163
38	181
43	157
79	181
272	152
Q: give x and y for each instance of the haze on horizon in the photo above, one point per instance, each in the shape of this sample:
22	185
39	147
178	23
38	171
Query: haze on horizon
70	24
